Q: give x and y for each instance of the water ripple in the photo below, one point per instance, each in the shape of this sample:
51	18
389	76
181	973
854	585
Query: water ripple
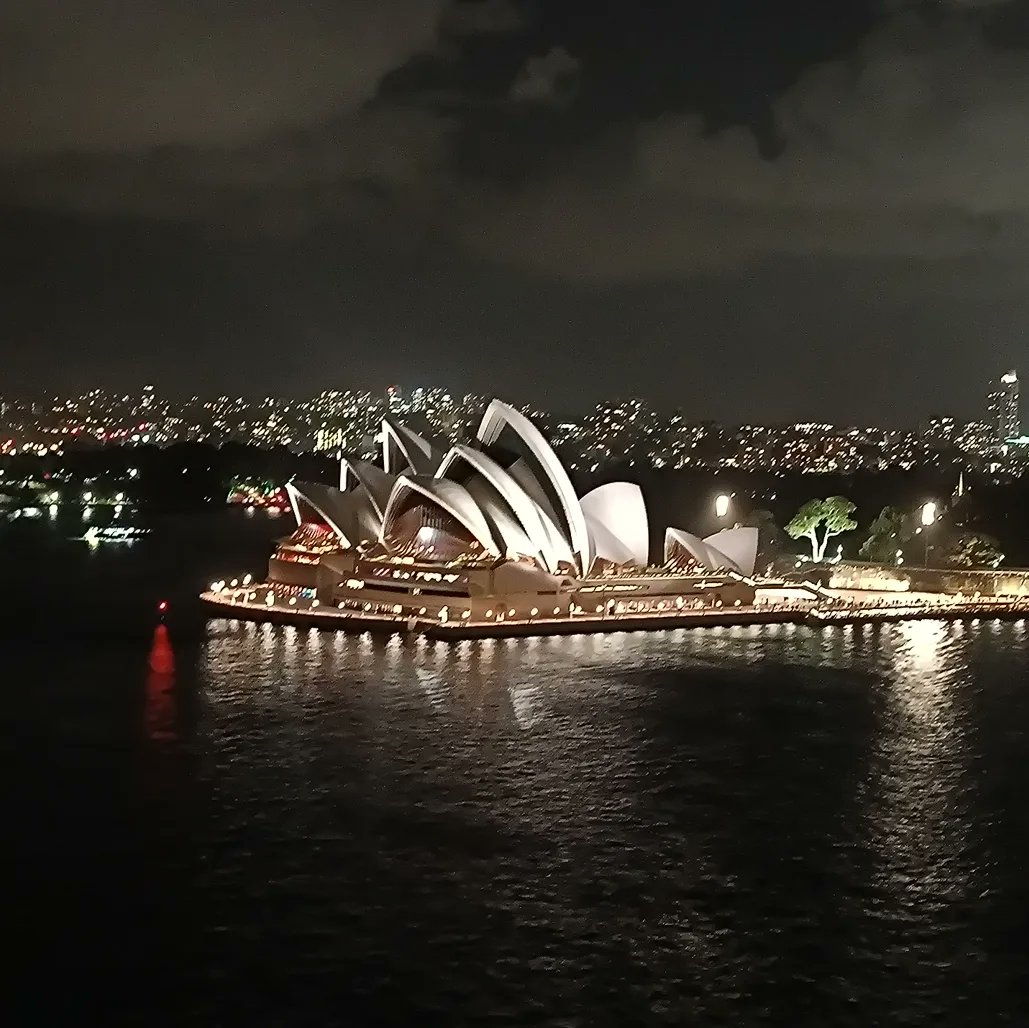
771	825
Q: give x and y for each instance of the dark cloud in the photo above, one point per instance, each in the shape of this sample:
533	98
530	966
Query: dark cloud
504	150
909	147
482	17
76	74
372	160
547	78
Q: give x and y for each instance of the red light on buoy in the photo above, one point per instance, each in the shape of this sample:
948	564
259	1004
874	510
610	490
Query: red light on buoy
162	606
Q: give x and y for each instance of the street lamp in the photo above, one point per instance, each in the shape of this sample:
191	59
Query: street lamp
928	520
721	505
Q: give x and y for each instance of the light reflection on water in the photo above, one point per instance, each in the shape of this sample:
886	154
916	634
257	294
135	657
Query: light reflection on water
918	808
704	813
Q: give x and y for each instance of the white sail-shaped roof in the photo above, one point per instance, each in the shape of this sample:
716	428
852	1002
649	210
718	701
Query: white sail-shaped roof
504	527
404	450
534	522
704	553
616	517
295	502
739	544
375	483
607	546
451	497
512	496
548	470
331	505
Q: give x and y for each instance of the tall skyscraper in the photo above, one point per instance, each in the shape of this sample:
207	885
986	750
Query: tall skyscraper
1004	417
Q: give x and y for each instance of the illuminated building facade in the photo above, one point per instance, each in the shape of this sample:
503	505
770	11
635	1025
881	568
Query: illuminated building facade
490	532
1004	413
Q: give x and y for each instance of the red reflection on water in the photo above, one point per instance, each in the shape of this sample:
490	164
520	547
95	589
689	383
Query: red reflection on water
162	659
160	696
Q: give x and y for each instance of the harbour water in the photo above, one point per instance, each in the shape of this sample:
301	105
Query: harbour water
766	825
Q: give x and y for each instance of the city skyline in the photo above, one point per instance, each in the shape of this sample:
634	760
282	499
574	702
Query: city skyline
783	401
612	432
998	405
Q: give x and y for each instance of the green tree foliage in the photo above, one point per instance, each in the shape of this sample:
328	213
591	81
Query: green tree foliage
818	521
886	534
973	550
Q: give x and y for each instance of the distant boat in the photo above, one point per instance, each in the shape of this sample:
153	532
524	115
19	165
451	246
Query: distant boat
113	534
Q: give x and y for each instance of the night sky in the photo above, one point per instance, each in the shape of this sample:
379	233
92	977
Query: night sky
754	211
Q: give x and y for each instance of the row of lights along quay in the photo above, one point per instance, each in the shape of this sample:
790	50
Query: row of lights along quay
773	605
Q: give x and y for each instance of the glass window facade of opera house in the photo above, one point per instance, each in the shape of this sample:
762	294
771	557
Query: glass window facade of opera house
491	532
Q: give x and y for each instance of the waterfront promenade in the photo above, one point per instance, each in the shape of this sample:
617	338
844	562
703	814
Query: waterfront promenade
773	606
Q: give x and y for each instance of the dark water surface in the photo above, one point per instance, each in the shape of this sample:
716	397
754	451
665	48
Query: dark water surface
759	826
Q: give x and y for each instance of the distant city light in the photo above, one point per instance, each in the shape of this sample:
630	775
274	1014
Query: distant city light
625	430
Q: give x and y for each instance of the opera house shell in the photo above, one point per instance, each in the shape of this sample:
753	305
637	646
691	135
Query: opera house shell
498	516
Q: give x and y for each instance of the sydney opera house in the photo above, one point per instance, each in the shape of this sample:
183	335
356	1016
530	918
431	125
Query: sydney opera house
490	533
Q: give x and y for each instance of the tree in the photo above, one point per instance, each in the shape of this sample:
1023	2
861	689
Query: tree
973	550
822	520
886	535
